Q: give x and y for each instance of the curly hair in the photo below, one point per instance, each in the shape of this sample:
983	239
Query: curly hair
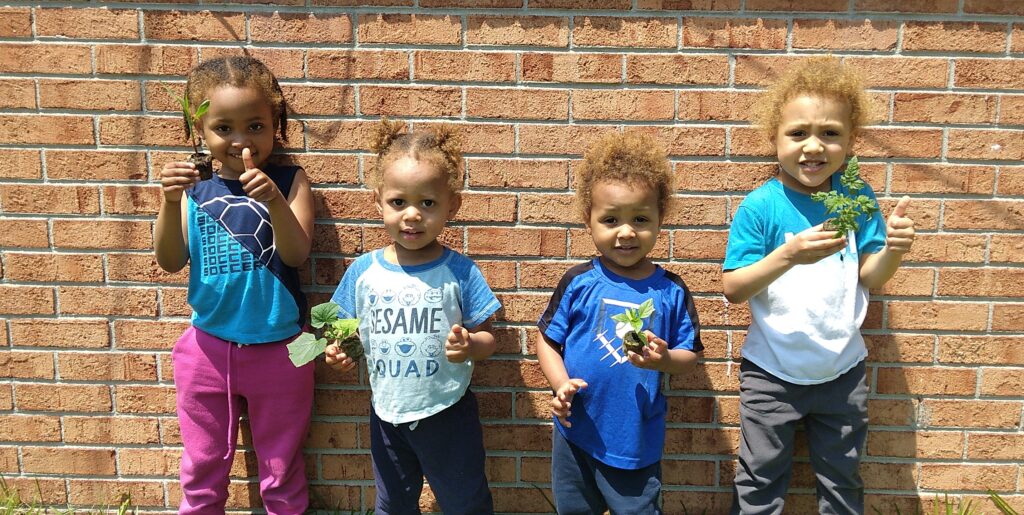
238	71
630	158
823	76
440	146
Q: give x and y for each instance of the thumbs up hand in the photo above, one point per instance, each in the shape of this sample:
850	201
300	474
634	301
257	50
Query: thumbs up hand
257	185
899	229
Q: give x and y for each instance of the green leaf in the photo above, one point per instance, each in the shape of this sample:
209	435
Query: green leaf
621	317
305	348
646	309
201	110
637	324
323	314
344	327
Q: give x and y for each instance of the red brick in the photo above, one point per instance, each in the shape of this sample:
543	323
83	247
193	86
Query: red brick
26	300
45	58
17	94
743	177
695	210
415	29
942	178
1011	180
926	381
892	412
992	7
518	173
338	203
947	36
69	333
702	440
111	430
326	100
562	67
699	244
690	5
536	104
901	72
300	27
970	413
606	31
144	334
338	402
43	267
547	208
64	397
1001	381
762	69
795	5
112	493
543	274
107	366
909	281
983	214
623	105
411	101
50	199
494	4
677	69
329	168
358	64
15	22
87	165
681	140
522	308
1007	317
1017	38
63	460
985	144
344	135
900	143
997	350
139	130
46	130
938	316
283	63
88	23
995	446
947	248
558	139
114	234
27	365
920	6
900	348
916	444
1006	248
435	65
20	164
194	25
715	105
987	282
989	73
580	4
132	200
516	242
86	300
753	33
487	207
346	467
517	31
145	59
141	268
936	108
145	399
968	477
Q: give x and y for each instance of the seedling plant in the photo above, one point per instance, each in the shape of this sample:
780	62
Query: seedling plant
202	160
328	329
847	208
634	340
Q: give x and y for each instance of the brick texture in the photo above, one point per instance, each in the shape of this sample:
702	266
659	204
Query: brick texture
88	320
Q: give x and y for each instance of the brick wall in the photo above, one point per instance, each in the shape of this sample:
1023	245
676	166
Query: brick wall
89	319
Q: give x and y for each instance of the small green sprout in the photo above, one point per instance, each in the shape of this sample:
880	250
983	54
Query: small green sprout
203	161
847	208
633	339
329	330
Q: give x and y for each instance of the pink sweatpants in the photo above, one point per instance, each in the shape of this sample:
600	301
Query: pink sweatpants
211	375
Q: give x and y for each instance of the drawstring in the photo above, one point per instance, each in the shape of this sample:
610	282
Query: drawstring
412	427
231	418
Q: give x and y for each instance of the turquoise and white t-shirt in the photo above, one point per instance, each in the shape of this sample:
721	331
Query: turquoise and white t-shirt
405	314
805	326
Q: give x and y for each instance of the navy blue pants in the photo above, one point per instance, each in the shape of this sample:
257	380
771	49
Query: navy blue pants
447	448
583	486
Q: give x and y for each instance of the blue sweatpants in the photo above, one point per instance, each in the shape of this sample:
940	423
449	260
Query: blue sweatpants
583	486
447	448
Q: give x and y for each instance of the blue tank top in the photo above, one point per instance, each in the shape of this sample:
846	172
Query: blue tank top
239	288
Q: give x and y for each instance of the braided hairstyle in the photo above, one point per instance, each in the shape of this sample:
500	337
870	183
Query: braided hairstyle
238	71
438	146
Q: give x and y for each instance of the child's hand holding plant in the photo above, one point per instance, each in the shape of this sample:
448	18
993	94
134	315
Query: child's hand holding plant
336	332
847	208
653	356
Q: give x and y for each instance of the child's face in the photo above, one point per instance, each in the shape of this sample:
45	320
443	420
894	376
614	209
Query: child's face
238	118
415	201
812	141
624	223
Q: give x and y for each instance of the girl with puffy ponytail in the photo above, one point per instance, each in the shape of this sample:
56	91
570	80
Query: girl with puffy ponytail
424	315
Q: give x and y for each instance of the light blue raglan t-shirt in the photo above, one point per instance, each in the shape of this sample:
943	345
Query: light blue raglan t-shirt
805	326
405	314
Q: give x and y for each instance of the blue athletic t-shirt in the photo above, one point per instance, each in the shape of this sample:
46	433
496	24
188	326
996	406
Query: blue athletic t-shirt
805	326
239	288
619	418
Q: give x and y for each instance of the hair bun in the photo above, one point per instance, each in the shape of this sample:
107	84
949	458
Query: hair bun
387	133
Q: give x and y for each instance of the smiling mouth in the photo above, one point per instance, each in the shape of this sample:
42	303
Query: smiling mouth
812	165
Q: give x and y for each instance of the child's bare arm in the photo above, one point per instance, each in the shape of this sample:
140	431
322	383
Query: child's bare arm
877	269
809	246
657	356
292	217
170	237
563	387
476	344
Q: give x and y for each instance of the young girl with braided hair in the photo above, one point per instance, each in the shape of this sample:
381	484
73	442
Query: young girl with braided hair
424	319
243	231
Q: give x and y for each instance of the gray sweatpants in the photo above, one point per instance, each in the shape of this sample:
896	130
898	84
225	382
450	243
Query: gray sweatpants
835	418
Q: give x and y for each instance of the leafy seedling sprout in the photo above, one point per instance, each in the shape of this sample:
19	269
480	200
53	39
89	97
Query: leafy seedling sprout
846	208
329	329
633	339
202	160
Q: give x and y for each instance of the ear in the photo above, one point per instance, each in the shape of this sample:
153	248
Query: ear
456	203
377	201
